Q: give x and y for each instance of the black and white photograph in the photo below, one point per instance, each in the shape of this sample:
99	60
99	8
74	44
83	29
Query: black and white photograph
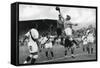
56	34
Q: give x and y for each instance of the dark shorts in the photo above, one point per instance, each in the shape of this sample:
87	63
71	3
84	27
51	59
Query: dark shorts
59	31
35	53
68	43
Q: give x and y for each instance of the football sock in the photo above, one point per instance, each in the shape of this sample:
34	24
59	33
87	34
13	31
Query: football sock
52	54
33	61
28	58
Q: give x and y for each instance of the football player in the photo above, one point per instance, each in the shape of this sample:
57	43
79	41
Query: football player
32	36
46	43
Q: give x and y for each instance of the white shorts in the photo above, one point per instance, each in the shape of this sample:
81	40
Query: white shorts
85	42
68	31
48	45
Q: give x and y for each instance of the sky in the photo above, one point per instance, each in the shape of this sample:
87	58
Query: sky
82	16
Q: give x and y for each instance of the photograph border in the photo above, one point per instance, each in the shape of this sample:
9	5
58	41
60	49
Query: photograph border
46	4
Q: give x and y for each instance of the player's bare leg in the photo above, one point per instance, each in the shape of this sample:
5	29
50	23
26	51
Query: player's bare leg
47	54
33	60
83	48
34	57
88	49
66	51
72	52
91	48
27	60
52	54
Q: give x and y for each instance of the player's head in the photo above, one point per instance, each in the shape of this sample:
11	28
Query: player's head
57	8
68	17
34	33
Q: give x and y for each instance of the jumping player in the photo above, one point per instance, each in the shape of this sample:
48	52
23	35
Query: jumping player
60	25
69	40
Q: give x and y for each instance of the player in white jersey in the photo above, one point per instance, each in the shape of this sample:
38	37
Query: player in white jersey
32	37
69	40
68	28
90	39
85	42
42	41
49	50
46	42
68	31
